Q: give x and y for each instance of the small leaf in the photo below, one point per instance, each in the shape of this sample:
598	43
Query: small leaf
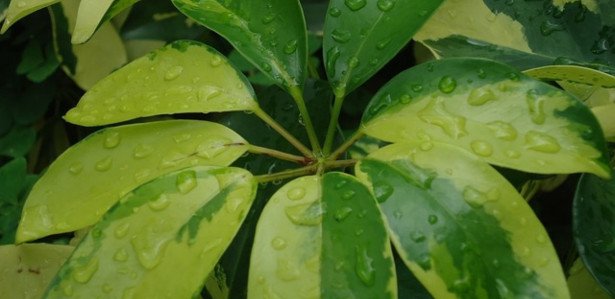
185	76
322	237
459	226
574	74
92	13
87	179
270	34
21	8
582	284
179	223
28	268
594	228
493	111
362	36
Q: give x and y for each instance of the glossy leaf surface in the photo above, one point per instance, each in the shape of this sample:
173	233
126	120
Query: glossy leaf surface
168	225
270	34
460	227
499	114
27	269
183	77
324	238
594	228
87	179
22	8
92	13
362	36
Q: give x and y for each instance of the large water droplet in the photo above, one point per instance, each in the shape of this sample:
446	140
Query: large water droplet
149	250
476	198
159	203
141	151
75	168
341	36
363	266
212	147
383	191
85	272
121	255
600	46
305	214
535	105
215	61
173	73
342	213
186	181
480	96
332	55
432	219
290	47
121	230
296	193
541	142
436	114
417	237
278	243
481	148
268	18
104	164
548	27
386	5
112	140
208	92
286	271
503	130
355	5
335	12
447	84
348	194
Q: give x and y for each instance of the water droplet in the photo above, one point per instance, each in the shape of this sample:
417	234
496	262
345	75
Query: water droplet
355	5
182	137
383	44
332	55
382	191
121	255
353	62
129	293
513	154
480	96
212	147
342	213
476	198
417	237
96	233
405	99
525	251
541	142
121	230
21	4
548	27
363	266
173	73
541	239
268	18
436	114
266	67
85	272
341	36
535	105
305	214
341	184
290	47
296	193
186	181
348	194
503	130
481	148
461	285
208	92
432	219
104	164
112	140
286	271
107	288
447	84
141	151
417	87
75	168
335	12
160	203
600	46
386	5
67	289
149	250
543	262
278	243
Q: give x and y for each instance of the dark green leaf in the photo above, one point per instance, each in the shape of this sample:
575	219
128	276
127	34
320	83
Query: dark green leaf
33	103
158	20
17	142
31	58
62	44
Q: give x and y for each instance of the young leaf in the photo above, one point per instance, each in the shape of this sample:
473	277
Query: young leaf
22	8
179	223
499	114
271	34
185	76
92	13
87	179
324	238
459	226
362	36
28	268
594	228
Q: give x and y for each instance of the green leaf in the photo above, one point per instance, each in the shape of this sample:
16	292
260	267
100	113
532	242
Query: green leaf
594	228
270	34
61	38
573	74
12	179
33	103
362	36
179	223
22	8
183	77
17	142
604	114
31	57
490	109
28	268
324	238
87	179
460	227
582	284
92	13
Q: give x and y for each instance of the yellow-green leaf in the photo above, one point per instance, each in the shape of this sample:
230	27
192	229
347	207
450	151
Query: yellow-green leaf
162	239
582	284
504	117
604	114
183	77
87	179
322	237
90	14
27	269
572	73
20	8
459	226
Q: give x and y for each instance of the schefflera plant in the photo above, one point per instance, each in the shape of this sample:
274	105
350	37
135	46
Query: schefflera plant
161	203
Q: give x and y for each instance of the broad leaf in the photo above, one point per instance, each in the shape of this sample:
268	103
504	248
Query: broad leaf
362	36
92	13
177	224
183	77
594	228
499	114
87	179
460	227
270	34
582	284
19	9
27	269
323	238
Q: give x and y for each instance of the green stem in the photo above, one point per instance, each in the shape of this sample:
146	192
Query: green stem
348	143
297	95
277	154
278	128
286	174
335	113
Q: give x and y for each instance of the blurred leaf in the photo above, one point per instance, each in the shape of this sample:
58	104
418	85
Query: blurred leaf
14	185
17	142
93	13
33	103
314	43
20	9
159	20
31	57
136	48
582	284
315	12
6	118
4	5
240	62
62	45
573	74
